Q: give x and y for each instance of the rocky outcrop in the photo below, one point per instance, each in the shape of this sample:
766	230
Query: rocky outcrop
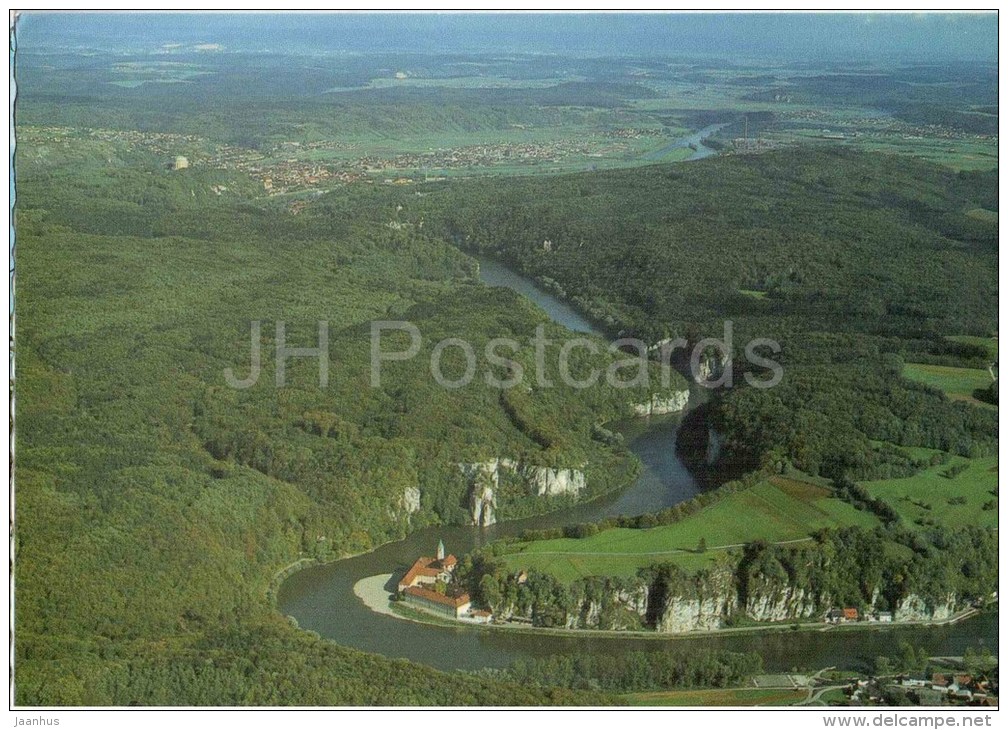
552	482
483	484
682	615
776	603
658	404
703	605
915	608
710	367
636	599
410	500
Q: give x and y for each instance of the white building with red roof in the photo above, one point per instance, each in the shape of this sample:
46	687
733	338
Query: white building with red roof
427	585
426	571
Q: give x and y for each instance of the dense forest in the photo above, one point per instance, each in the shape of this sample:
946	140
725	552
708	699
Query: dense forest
155	502
853	268
638	671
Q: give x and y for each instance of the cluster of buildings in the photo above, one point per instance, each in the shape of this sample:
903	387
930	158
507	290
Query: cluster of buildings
158	143
636	132
876	126
851	615
480	155
428	585
961	689
964	687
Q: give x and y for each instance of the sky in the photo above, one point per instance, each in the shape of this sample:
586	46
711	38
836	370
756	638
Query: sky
928	37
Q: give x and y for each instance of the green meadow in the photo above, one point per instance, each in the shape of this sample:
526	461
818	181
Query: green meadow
989	343
776	511
942	496
956	383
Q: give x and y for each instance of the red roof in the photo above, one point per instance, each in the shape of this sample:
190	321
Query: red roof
434	596
429	568
850	613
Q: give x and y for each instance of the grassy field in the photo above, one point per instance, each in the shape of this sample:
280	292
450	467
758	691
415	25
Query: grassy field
990	343
736	697
983	214
926	496
957	154
956	383
778	511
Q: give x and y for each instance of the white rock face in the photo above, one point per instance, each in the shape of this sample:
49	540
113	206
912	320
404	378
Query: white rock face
483	480
914	608
636	600
693	614
411	500
625	602
551	482
482	504
710	368
781	605
709	610
660	405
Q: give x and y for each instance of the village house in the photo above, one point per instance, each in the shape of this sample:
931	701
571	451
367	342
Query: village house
478	616
841	615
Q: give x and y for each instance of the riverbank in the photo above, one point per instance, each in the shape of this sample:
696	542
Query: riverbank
371	591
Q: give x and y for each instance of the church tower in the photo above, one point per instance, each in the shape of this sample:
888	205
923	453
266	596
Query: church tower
440	550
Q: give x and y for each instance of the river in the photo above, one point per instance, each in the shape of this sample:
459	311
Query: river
321	597
695	141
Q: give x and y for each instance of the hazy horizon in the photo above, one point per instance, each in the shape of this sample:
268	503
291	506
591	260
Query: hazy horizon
793	37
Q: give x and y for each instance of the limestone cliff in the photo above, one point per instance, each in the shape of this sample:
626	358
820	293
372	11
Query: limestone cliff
550	482
483	484
410	501
702	604
772	602
711	367
616	609
658	405
667	599
612	604
915	608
